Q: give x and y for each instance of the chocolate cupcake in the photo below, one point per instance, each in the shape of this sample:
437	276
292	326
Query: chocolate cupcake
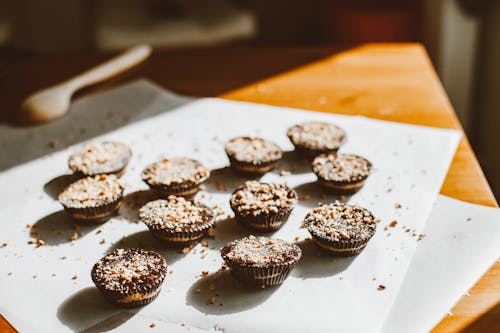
92	199
341	173
261	261
314	138
179	176
177	222
100	158
262	206
340	228
253	155
131	277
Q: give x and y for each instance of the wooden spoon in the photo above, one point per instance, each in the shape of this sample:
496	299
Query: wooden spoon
53	102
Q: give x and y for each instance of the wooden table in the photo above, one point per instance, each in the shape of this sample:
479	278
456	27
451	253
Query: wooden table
385	81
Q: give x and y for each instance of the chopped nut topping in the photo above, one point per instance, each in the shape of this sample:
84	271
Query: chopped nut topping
100	158
316	135
175	213
341	221
253	150
175	171
130	270
261	251
255	198
92	192
341	167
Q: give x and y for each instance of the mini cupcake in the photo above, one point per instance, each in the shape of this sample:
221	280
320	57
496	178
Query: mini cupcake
314	138
341	173
179	176
92	199
261	206
100	158
177	222
131	277
253	155
261	261
340	228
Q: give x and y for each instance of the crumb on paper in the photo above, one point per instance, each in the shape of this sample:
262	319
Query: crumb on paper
74	277
53	143
152	325
63	257
212	287
398	205
5	244
305	197
297	238
204	244
10	273
381	287
420	237
103	241
393	223
469	219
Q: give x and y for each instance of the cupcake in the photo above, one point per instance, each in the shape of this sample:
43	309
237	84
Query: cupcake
261	206
179	176
100	158
340	228
314	138
253	155
261	261
341	173
92	199
131	277
177	222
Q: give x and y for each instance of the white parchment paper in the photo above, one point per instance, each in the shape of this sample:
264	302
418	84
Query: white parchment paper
49	287
462	242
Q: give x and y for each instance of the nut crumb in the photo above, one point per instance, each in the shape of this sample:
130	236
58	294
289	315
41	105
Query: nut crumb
284	173
103	241
381	287
10	273
63	258
185	250
204	244
5	244
211	301
74	277
297	238
204	273
152	325
74	237
398	205
393	224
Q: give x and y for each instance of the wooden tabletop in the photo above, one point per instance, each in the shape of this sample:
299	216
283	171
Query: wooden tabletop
385	81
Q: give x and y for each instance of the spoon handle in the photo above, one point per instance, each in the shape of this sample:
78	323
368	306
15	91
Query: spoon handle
110	68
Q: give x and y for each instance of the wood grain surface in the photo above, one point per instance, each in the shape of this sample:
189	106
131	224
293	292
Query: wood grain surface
393	82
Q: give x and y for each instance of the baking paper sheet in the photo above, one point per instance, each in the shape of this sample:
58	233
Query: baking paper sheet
410	163
462	242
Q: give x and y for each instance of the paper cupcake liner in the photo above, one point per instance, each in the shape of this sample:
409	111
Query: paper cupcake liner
345	248
263	222
261	276
311	153
115	298
179	239
342	187
186	190
252	168
98	214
